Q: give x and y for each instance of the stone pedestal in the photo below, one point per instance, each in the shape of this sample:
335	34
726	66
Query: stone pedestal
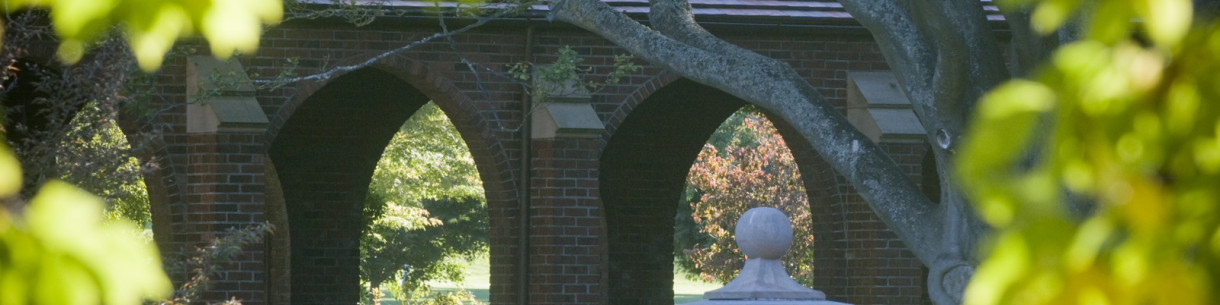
764	234
766	302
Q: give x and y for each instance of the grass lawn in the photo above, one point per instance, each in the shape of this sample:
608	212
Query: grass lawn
686	290
477	279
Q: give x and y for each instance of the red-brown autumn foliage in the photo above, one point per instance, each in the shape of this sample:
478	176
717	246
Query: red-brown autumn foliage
740	177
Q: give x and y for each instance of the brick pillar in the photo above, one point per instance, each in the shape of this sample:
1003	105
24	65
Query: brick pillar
566	262
225	172
225	190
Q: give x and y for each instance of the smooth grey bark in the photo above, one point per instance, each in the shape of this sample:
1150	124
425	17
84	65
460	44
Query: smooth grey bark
958	59
943	52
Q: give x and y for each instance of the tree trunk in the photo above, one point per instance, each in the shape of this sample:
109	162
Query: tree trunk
944	54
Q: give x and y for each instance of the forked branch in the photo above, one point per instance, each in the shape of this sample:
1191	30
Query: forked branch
774	86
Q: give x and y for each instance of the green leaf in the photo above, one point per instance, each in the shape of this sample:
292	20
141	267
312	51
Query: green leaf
1111	22
96	261
10	172
79	18
153	34
59	213
1000	133
1087	243
235	25
59	274
1166	21
152	26
1050	15
1010	261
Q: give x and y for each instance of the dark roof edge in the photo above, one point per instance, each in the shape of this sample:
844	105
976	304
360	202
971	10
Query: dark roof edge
538	19
427	17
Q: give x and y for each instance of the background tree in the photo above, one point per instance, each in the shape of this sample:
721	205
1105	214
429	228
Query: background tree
688	234
425	214
62	126
56	243
42	103
97	158
752	167
1100	172
59	117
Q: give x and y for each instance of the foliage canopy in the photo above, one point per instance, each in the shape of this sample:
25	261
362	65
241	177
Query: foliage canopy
745	164
425	213
1100	172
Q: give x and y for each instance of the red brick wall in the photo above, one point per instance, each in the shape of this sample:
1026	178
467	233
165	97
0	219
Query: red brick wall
587	246
566	223
224	190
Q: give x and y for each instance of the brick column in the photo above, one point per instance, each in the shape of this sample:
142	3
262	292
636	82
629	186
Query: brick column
566	261
225	190
225	172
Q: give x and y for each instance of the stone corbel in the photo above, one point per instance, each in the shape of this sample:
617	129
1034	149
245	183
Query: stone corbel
563	111
221	98
878	107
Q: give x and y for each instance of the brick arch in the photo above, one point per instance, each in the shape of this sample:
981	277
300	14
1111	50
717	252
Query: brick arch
644	168
642	174
164	186
858	259
474	126
325	145
641	93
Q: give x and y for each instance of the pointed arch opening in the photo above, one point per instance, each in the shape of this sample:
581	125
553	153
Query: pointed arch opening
644	171
324	156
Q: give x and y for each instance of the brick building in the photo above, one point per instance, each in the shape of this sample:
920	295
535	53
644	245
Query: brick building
599	204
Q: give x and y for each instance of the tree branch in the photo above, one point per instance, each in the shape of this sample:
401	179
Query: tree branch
968	64
907	49
445	34
950	58
673	18
942	51
969	60
774	86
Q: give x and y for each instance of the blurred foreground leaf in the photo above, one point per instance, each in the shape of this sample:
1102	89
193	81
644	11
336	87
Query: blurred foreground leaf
10	172
152	26
62	253
1117	200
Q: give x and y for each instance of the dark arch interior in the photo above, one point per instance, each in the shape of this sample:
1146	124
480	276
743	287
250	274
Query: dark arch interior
30	114
21	100
325	155
643	172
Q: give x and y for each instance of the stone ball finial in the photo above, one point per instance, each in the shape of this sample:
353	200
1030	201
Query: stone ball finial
763	232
